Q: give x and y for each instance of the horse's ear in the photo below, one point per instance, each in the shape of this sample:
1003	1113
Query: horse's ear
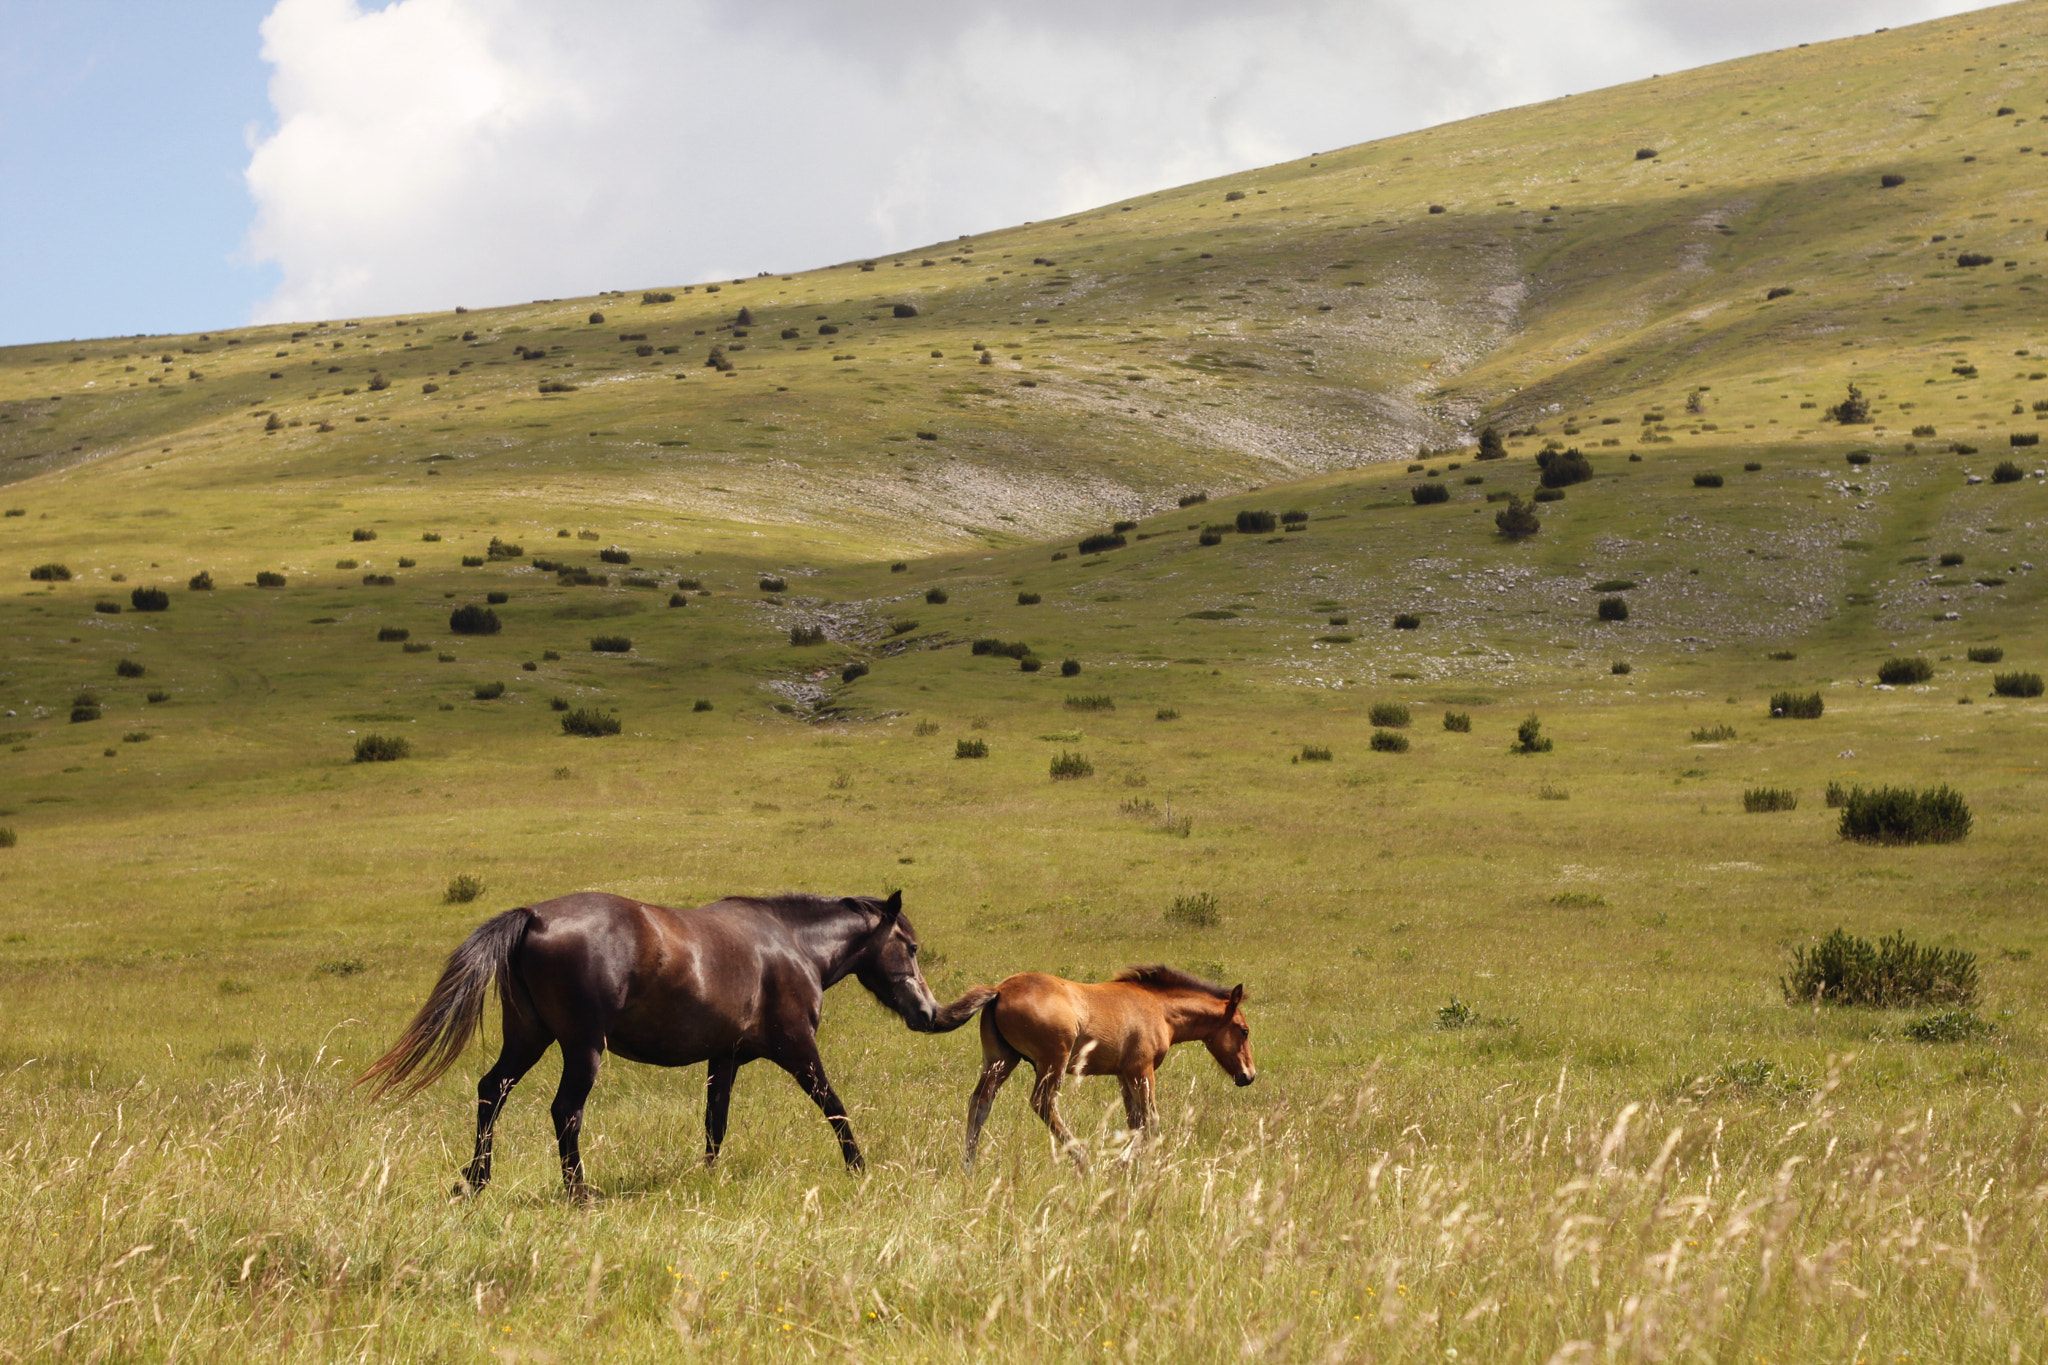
1236	999
894	905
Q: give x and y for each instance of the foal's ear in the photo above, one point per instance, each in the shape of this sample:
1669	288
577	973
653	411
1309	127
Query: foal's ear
1236	999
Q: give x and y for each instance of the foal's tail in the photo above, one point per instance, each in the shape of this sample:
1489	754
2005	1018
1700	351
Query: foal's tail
437	1035
960	1011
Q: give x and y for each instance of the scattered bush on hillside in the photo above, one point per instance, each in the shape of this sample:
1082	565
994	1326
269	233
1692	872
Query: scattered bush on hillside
1836	796
595	318
1778	292
1645	153
1529	738
1256	523
391	634
1518	520
1613	609
558	703
155	695
504	549
614	555
1209	538
107	605
1294	520
129	668
2007	472
1904	671
1948	1026
362	533
1858	457
371	580
1713	734
936	596
1763	800
1192	499
1388	742
1426	493
1550	495
657	296
1853	410
1562	468
1985	654
50	573
1067	765
489	691
1314	753
266	579
1970	260
416	647
8	838
1620	666
611	644
1028	599
1101	541
1200	910
1893	973
770	583
149	599
701	704
1491	447
970	748
1091	701
2016	684
1707	481
1458	722
1891	182
676	599
381	748
1752	467
472	619
1394	715
1070	668
857	669
1905	815
1407	620
1166	713
801	635
589	723
462	889
1796	706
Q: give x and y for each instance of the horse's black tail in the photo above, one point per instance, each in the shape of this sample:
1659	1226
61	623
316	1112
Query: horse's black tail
437	1035
950	1017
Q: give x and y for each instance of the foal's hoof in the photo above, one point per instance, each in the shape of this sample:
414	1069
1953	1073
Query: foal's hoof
463	1191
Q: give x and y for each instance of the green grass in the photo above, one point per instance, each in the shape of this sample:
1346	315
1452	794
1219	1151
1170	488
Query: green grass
206	935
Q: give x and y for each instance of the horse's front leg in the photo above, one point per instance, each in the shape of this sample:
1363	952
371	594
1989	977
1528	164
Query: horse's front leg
800	1059
717	1101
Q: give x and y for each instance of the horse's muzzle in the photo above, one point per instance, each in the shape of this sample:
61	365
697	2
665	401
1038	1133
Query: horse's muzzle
1247	1078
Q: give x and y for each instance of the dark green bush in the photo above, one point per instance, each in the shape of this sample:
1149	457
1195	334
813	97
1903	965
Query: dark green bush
1550	495
362	533
1613	609
416	647
1905	815
1067	765
149	599
1713	734
2007	472
1859	457
1100	542
1762	800
107	605
2016	684
472	561
936	596
1209	538
676	599
857	669
1985	654
589	723
157	694
701	704
1070	668
1491	447
1028	599
1562	468
1458	722
1529	738
8	838
1092	701
1948	1026
1517	521
970	748
1296	518
1796	706
1198	911
50	573
1707	481
1407	620
84	713
1614	585
1123	526
611	644
497	599
1426	493
1891	181
129	668
1389	742
472	619
462	889
1853	410
388	634
558	703
1256	523
370	580
1621	666
1314	753
614	555
1903	671
1392	714
504	549
489	691
200	582
1186	499
801	635
266	579
1895	972
1166	713
381	748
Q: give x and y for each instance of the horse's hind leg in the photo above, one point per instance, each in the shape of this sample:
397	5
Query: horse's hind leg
1045	1101
525	1041
579	1072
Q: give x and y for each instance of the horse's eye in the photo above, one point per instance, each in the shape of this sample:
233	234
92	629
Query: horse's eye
913	950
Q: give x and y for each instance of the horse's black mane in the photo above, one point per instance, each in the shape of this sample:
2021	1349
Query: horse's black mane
1171	978
804	904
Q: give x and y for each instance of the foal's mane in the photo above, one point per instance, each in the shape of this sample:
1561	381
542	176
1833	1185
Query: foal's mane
1171	979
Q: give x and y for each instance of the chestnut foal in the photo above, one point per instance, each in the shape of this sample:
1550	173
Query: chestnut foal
1119	1028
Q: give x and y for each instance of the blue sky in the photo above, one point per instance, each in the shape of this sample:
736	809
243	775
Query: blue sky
177	167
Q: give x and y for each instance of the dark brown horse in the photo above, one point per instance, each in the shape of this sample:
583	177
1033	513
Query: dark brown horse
1120	1028
726	983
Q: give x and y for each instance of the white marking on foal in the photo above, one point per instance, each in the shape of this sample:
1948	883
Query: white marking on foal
1081	1057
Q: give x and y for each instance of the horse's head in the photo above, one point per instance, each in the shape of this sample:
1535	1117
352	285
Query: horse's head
1230	1043
887	963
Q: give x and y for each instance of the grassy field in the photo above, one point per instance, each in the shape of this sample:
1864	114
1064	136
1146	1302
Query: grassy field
1529	1087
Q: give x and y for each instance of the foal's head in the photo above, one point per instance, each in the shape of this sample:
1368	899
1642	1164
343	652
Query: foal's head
887	963
1231	1041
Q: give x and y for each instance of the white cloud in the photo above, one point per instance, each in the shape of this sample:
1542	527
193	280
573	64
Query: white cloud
477	151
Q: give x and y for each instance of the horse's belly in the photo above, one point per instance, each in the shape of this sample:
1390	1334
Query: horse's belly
676	1044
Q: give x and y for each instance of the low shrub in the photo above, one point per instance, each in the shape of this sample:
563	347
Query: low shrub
390	634
1562	468
589	723
468	562
1778	292
1613	609
857	669
611	644
1067	765
157	694
2018	439
1621	666
471	619
1192	499
1256	523
1529	738
701	704
1458	722
50	573
1101	541
1392	714
1905	815
1762	800
2016	685
1836	796
1895	972
1166	713
200	582
970	748
676	599
1030	663
1550	495
1028	599
1970	260
936	596
416	647
2007	472
81	714
462	889
266	579
107	605
8	838
1707	481
1752	467
489	691
381	748
1796	705
1200	910
1407	620
1209	538
504	549
1985	654
1948	1026
129	668
1389	742
614	555
1904	671
558	703
806	635
362	533
149	599
1713	734
1314	753
1859	457
430	536
1891	182
1123	526
1518	520
497	599
1426	493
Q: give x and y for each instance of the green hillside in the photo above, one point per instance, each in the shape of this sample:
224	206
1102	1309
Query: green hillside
1530	1087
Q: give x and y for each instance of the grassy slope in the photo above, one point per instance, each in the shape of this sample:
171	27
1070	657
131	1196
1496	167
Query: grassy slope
207	929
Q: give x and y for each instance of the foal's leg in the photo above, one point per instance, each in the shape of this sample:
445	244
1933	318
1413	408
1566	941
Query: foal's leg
717	1097
525	1041
799	1057
994	1071
579	1072
1045	1101
1137	1088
